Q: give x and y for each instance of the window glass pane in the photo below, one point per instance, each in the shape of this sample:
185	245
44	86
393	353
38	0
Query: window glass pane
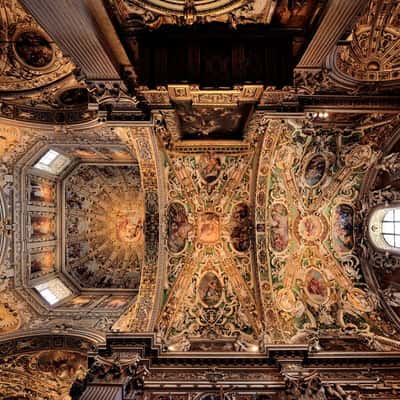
53	291
397	214
388	227
389	216
389	239
52	162
49	157
49	296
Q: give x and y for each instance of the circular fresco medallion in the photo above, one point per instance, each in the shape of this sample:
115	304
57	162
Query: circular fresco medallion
210	289
360	300
74	97
315	170
316	286
34	49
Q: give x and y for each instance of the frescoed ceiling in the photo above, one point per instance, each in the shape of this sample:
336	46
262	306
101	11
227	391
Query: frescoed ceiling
104	226
208	200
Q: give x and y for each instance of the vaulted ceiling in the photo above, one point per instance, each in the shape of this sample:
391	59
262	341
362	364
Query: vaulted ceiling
220	162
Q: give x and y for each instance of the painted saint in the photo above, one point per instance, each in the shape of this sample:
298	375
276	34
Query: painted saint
316	286
342	228
209	167
210	289
178	227
43	263
43	227
42	191
315	170
279	227
240	227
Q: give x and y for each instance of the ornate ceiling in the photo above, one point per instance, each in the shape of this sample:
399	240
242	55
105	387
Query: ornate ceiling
372	54
104	220
221	165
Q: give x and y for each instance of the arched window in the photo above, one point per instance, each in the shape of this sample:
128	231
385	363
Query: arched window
384	228
391	227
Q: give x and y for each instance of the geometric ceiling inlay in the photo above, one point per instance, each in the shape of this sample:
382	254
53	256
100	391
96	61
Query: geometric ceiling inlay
104	217
374	51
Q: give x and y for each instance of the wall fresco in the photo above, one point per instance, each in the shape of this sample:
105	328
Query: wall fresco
315	170
42	191
42	261
42	226
241	227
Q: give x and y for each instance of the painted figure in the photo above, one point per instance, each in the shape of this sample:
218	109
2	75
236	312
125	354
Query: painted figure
241	227
210	289
342	228
315	170
210	167
178	228
279	227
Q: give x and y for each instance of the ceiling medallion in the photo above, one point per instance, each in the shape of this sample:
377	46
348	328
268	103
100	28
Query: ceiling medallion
311	228
33	49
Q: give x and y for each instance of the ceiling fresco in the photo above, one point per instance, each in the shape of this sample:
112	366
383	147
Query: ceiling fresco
223	214
210	272
212	123
104	226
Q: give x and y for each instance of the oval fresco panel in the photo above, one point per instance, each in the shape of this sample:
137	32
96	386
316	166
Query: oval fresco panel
315	170
178	227
209	167
316	286
34	49
210	289
279	227
241	227
342	228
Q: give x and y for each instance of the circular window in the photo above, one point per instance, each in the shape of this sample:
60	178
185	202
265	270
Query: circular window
391	227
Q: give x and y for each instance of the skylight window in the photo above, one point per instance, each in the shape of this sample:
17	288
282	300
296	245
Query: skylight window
391	227
52	162
53	291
